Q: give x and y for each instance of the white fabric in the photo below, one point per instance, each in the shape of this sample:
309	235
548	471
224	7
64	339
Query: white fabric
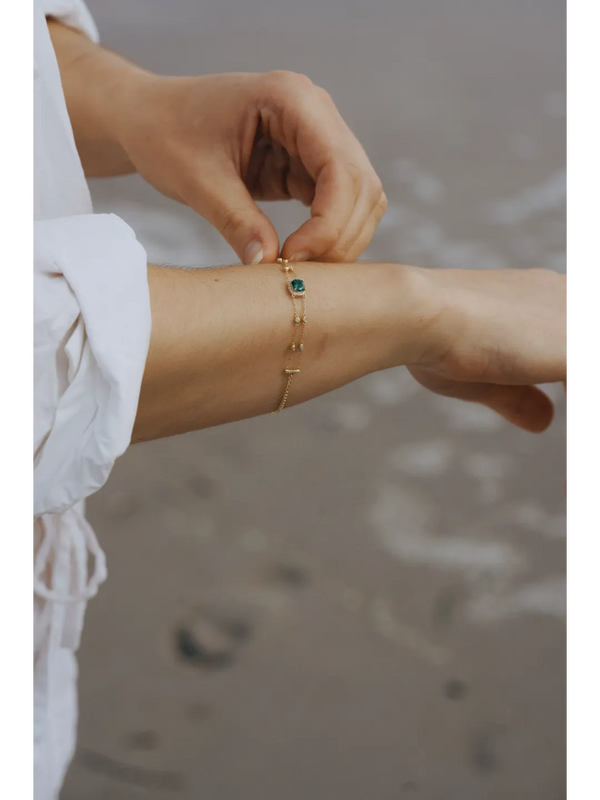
91	334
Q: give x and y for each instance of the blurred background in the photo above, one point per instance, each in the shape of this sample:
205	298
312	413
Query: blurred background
365	597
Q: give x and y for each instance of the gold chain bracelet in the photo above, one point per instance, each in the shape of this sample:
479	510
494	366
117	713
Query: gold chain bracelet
297	289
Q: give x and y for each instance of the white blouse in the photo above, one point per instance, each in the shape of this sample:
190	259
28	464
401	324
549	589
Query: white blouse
91	333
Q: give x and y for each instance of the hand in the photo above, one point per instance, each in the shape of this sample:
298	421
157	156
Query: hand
220	142
492	335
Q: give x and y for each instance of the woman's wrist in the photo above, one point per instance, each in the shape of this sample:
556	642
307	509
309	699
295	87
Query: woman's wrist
411	307
220	338
387	315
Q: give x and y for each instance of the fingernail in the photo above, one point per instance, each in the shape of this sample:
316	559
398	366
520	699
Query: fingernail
303	255
253	253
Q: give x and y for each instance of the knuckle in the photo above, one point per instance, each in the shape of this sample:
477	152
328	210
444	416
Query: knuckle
285	81
324	95
374	182
355	172
331	238
382	203
337	253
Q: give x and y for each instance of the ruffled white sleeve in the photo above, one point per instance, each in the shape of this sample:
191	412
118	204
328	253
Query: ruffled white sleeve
91	334
74	13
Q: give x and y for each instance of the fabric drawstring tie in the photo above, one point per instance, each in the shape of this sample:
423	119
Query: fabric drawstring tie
69	544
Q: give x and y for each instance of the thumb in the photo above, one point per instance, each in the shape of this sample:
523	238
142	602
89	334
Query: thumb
227	204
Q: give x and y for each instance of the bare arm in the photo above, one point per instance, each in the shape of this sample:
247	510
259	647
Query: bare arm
220	338
97	84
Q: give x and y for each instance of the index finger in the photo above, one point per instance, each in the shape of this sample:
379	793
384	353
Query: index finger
336	190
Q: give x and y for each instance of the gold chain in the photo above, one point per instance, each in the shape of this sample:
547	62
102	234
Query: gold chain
297	290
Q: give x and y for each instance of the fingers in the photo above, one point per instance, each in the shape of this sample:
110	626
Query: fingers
303	118
336	193
525	406
344	216
300	185
359	245
226	203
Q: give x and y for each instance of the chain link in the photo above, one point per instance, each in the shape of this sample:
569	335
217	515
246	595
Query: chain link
292	365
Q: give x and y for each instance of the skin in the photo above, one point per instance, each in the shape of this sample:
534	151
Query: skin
219	143
220	338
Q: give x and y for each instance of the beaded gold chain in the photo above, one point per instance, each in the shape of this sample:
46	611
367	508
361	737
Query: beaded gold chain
297	289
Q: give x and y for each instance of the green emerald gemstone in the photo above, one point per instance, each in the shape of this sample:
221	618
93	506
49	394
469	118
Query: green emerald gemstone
298	285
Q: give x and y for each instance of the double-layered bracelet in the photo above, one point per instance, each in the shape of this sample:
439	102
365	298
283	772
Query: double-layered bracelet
297	290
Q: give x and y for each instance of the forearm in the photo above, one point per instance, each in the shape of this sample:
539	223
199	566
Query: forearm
220	338
97	84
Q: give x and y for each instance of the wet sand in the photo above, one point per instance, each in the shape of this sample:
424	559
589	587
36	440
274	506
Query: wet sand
363	598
